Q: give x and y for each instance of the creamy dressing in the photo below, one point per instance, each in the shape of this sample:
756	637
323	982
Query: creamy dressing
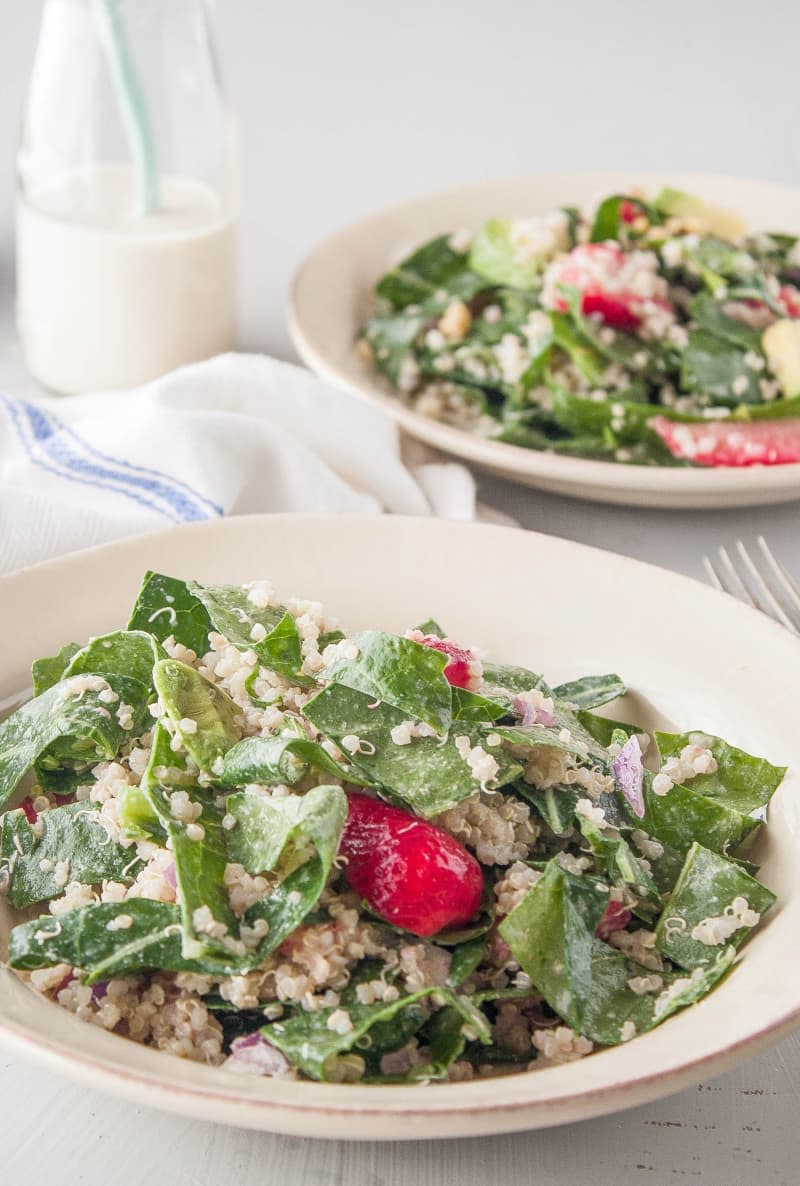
108	299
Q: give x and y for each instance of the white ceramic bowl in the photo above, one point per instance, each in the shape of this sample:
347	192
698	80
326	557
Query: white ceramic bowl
332	297
693	657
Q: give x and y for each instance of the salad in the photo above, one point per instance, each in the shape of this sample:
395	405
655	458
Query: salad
648	331
237	834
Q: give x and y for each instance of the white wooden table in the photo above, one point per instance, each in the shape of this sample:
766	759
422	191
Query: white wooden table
345	107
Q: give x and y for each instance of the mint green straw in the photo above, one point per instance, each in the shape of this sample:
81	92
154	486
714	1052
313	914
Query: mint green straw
132	104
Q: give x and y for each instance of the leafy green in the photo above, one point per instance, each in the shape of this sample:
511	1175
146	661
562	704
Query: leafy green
312	1046
130	653
555	805
512	680
166	608
242	622
404	674
602	729
679	817
48	671
200	875
710	315
714	368
616	860
706	888
82	938
283	759
61	714
433	267
299	837
493	257
591	691
188	696
551	935
72	836
429	775
741	781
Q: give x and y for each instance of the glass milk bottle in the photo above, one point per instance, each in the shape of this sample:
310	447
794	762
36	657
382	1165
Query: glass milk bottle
128	195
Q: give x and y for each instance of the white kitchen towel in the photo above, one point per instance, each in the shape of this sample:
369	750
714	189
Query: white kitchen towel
239	434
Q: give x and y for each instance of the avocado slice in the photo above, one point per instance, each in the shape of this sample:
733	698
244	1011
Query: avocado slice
781	342
676	203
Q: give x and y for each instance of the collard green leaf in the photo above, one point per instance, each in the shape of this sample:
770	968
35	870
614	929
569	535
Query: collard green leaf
130	653
512	680
63	713
608	222
709	313
84	939
166	608
49	670
706	889
551	934
555	805
741	781
591	691
494	258
313	1047
617	861
682	816
242	622
312	833
465	959
603	729
72	834
266	826
200	875
715	368
283	759
395	671
434	267
470	706
188	696
429	775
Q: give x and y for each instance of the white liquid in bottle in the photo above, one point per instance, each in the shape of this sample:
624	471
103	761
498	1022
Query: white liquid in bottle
107	298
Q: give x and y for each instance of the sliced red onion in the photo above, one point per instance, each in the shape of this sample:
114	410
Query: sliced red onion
629	771
99	990
169	875
254	1055
615	917
532	714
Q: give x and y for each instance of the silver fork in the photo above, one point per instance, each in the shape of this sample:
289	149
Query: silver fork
760	581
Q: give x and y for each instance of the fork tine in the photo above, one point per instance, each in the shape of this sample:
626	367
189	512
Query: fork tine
711	573
733	582
764	592
785	581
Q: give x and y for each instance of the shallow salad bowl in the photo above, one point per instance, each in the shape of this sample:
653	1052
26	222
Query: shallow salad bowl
332	297
691	656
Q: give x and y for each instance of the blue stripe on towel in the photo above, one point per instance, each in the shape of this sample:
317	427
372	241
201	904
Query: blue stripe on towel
60	450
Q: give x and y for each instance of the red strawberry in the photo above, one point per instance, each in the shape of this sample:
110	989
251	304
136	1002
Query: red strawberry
789	297
628	211
732	442
595	269
463	669
412	873
615	917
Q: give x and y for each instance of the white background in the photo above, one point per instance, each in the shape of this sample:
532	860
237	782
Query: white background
344	107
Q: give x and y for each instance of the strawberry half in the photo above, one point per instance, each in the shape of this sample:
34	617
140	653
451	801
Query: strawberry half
413	874
463	669
601	273
732	442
